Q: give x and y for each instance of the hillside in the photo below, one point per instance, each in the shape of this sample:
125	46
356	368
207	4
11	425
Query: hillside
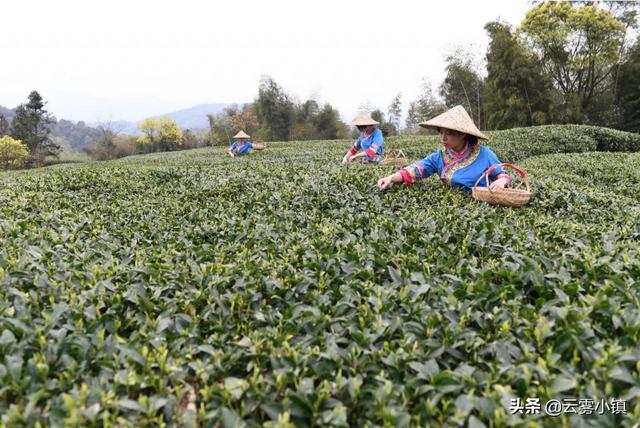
190	118
71	136
75	136
7	112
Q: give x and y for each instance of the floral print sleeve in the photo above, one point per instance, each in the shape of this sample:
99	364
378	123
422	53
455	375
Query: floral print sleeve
421	169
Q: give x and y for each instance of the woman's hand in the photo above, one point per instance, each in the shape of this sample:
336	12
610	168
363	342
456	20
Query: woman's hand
499	184
385	182
345	159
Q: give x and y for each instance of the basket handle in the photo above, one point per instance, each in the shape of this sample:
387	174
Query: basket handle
516	168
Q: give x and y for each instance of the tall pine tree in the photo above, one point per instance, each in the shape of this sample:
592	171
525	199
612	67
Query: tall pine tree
31	125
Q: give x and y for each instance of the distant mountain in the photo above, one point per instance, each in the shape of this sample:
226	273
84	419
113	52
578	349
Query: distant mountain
74	136
195	117
7	113
190	118
71	136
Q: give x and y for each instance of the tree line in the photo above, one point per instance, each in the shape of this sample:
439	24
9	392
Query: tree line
275	115
567	62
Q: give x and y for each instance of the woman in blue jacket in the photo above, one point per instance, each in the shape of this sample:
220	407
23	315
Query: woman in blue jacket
460	161
243	145
370	143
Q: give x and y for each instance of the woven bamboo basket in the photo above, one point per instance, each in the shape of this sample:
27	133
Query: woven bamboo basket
507	197
395	157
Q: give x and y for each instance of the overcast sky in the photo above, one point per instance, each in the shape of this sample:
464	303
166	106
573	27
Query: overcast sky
129	59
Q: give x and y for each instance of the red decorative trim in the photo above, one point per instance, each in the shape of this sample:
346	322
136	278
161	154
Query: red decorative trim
407	179
370	153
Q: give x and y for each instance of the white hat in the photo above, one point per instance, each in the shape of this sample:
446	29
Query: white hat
364	119
457	119
241	134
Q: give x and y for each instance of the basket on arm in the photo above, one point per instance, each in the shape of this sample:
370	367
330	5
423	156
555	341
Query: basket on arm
395	157
508	197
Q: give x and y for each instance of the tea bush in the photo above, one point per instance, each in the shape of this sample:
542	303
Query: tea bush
192	289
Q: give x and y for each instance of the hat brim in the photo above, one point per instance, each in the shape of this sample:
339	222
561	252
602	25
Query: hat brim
372	123
241	135
478	134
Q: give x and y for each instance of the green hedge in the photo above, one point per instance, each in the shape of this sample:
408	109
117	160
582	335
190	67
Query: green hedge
612	140
520	143
513	145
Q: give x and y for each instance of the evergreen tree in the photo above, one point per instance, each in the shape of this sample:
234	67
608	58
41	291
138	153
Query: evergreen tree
275	111
386	127
628	91
31	125
426	107
4	125
328	124
307	111
464	86
395	111
517	91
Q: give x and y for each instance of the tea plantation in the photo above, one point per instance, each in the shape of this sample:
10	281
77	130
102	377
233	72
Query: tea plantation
284	289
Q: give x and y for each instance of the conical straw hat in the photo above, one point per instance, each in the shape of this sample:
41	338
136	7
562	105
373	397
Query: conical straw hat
364	119
457	119
241	134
